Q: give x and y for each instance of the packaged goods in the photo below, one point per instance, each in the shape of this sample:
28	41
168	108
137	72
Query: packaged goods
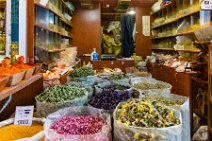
54	98
78	124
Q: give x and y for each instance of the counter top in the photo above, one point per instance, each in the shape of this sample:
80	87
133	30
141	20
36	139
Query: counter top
8	91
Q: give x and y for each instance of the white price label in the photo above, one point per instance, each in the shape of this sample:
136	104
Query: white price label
24	115
206	5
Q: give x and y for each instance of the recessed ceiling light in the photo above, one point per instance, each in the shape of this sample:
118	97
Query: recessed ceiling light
107	5
131	12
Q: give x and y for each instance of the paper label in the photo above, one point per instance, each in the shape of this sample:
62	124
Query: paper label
206	5
24	115
146	25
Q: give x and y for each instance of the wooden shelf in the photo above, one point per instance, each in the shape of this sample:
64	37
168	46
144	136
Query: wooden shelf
164	37
178	34
62	18
199	80
176	19
8	91
210	129
161	9
210	72
51	30
199	113
187	50
51	50
171	49
67	7
210	100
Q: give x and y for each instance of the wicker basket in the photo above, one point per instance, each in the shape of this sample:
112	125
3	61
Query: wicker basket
14	79
3	82
29	73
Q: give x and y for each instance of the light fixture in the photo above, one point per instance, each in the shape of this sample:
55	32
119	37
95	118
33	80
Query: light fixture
131	12
107	5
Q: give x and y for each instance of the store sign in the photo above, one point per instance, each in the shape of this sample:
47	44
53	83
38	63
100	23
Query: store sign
24	115
206	5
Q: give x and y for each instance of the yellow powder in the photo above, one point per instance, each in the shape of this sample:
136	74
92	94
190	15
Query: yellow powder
12	132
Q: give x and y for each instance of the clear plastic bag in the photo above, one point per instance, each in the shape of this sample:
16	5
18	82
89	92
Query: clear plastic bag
86	81
89	89
184	109
143	92
201	134
122	132
103	135
101	86
44	108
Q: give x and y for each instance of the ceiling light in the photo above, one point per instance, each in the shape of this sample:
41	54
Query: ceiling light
131	12
107	5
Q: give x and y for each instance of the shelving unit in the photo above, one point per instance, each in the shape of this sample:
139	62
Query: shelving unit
180	18
210	94
52	27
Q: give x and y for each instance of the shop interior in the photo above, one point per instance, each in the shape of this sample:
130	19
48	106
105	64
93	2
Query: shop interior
106	70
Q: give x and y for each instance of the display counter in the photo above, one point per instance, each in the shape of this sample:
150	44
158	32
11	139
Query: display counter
122	64
22	94
181	81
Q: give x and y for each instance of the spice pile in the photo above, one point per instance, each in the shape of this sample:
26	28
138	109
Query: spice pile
141	113
109	98
78	125
60	94
12	132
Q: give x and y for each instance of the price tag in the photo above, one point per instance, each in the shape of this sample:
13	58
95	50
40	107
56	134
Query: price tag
24	115
206	5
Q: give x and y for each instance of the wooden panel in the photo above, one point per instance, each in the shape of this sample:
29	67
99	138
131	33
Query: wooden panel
30	31
23	97
86	29
122	64
143	43
181	82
